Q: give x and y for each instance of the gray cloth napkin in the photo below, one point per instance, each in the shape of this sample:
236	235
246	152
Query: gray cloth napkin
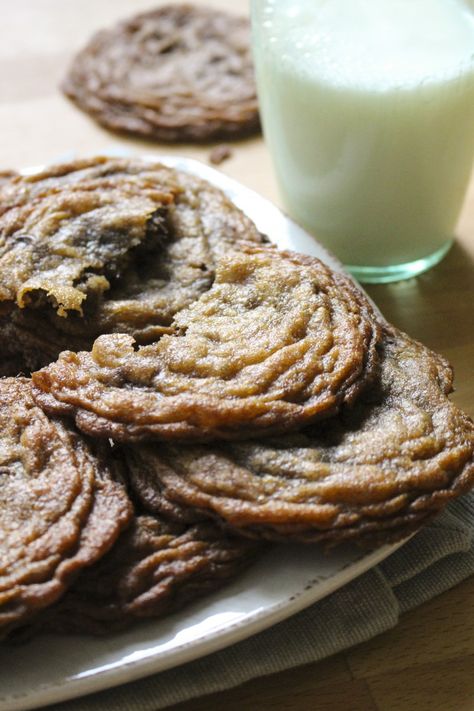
436	559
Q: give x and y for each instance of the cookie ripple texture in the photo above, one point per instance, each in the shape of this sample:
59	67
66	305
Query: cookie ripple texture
278	341
155	568
105	245
61	508
177	73
372	475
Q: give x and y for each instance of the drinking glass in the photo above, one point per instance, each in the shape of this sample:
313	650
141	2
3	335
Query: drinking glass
368	111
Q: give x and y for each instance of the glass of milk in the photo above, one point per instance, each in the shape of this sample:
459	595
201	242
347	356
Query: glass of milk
368	111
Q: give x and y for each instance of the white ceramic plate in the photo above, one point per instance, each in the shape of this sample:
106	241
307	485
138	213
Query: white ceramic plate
51	669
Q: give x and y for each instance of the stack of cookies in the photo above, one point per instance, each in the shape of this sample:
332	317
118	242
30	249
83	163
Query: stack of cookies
195	394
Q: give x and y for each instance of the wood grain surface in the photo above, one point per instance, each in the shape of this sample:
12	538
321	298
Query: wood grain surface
427	662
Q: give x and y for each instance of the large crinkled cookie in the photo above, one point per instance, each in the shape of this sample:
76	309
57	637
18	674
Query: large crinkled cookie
155	568
66	234
176	73
105	245
374	474
279	341
66	231
62	506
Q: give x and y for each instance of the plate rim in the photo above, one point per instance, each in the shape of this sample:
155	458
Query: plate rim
210	642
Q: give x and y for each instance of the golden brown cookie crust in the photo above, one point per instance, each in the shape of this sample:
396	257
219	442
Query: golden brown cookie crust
61	507
372	475
112	284
66	231
278	341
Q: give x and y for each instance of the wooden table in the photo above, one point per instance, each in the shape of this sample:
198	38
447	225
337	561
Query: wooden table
427	662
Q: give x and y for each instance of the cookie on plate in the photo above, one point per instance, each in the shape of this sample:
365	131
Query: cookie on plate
61	506
176	73
373	474
279	340
105	245
155	568
66	234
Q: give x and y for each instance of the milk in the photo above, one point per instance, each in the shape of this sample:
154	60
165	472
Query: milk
368	110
